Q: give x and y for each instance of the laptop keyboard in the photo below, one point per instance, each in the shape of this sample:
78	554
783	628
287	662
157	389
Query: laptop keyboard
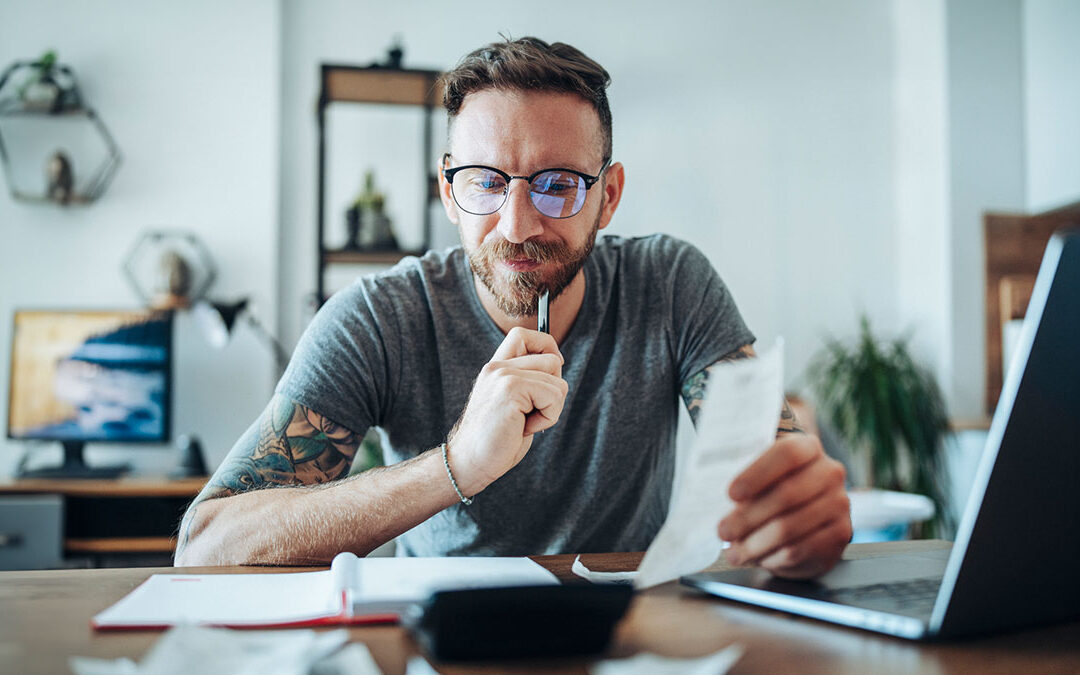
916	596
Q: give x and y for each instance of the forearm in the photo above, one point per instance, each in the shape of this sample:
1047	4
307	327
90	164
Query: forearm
310	525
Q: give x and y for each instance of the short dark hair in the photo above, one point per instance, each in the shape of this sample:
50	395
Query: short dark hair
530	64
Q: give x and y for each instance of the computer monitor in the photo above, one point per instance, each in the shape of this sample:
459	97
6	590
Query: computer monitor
90	375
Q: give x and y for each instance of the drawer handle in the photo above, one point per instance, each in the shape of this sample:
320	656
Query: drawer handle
10	540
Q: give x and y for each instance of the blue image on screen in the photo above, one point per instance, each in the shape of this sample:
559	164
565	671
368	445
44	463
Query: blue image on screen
117	384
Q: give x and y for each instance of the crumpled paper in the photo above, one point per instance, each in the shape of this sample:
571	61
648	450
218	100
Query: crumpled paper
653	664
220	651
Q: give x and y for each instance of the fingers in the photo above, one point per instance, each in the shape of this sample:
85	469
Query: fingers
806	483
792	515
785	456
521	341
531	367
813	555
545	363
777	536
540	398
517	394
548	400
536	397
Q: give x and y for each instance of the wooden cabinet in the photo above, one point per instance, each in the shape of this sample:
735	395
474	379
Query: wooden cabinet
343	84
129	520
1014	247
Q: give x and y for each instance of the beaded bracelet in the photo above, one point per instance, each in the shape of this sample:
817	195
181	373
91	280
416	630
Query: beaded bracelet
446	462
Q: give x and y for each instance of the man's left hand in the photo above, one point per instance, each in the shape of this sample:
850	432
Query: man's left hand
792	515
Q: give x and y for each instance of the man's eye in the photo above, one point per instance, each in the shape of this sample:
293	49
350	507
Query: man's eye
487	184
555	184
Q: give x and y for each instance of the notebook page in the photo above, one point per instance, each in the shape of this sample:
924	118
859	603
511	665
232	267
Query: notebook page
224	599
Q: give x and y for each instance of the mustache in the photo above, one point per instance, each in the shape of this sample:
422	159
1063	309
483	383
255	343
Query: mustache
539	251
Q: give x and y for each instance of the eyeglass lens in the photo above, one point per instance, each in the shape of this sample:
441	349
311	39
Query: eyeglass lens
556	194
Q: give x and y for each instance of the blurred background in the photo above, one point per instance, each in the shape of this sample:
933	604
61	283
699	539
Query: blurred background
833	159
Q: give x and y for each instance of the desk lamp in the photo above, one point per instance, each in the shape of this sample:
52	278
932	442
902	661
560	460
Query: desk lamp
218	320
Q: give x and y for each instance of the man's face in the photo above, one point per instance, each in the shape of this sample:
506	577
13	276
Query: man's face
517	252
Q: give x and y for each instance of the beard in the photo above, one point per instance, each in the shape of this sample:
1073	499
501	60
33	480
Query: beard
517	293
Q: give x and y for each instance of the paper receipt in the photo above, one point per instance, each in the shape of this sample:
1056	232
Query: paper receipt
737	423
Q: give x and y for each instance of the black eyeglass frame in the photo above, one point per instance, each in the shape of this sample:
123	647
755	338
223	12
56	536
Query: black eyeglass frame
449	174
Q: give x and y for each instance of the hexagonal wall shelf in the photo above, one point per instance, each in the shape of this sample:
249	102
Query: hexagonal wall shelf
54	148
169	269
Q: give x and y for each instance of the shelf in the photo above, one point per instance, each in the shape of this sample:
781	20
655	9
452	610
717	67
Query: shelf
368	85
374	85
96	167
366	257
15	108
41	199
136	515
120	487
121	545
970	424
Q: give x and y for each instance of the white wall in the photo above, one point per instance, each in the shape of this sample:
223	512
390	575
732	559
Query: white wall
190	91
921	177
1051	33
762	132
986	169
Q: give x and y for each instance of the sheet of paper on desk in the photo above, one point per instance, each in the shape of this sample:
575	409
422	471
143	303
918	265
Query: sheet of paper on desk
737	423
224	600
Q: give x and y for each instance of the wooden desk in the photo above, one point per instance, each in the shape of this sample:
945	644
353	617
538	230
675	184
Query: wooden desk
45	619
136	515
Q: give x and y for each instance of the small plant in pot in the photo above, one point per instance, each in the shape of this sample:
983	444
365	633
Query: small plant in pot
48	86
890	411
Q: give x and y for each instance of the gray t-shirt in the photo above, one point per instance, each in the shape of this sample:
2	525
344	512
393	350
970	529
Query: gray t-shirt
401	350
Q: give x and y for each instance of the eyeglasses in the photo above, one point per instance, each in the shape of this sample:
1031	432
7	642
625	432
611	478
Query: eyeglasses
556	193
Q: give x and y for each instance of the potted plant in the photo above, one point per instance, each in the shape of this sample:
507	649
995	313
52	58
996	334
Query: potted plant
889	410
48	86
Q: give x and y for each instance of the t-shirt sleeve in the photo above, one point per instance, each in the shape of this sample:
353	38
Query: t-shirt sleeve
344	365
705	322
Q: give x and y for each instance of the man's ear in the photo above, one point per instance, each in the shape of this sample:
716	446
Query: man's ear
612	184
445	195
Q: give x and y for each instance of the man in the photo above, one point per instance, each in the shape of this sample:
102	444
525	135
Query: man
499	439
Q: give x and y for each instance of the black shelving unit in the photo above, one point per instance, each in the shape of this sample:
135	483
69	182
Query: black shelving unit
374	85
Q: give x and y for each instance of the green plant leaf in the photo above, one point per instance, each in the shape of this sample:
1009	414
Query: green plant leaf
886	407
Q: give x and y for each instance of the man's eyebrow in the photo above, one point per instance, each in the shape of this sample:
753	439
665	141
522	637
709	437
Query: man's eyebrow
576	166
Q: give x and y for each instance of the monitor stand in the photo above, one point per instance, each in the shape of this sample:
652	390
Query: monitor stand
75	466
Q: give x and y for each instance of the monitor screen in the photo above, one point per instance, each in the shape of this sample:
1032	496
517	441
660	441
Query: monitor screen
91	376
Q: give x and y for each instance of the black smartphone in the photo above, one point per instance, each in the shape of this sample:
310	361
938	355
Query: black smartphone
518	621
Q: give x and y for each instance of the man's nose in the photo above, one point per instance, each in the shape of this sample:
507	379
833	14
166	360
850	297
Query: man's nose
519	220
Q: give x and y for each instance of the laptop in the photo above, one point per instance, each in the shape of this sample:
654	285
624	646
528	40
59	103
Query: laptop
1016	558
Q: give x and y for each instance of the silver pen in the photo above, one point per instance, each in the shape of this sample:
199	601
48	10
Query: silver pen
542	314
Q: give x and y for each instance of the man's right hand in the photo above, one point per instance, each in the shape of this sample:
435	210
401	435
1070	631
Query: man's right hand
519	392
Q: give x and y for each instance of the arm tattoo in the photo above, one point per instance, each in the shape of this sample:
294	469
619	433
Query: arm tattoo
289	444
693	392
788	423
